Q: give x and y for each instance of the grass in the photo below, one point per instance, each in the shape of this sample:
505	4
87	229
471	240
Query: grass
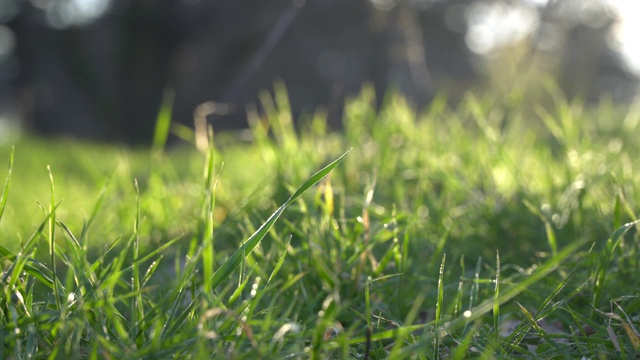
492	229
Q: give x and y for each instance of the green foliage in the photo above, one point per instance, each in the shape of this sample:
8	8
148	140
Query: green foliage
168	254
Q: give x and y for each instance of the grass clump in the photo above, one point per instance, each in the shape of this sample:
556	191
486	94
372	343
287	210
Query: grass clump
475	230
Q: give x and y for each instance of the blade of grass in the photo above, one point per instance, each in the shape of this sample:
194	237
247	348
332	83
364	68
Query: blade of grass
461	351
542	332
496	298
367	305
550	123
163	122
94	212
439	305
52	234
404	257
236	258
509	293
563	283
100	261
236	294
137	308
150	271
276	269
551	236
7	183
542	310
40	272
473	297
367	299
80	255
632	332
603	262
442	242
12	274
176	317
157	251
210	200
409	319
388	334
457	302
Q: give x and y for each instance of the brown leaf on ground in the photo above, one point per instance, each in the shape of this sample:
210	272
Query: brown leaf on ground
332	331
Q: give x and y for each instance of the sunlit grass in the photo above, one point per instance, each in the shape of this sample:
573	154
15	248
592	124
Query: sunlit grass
476	230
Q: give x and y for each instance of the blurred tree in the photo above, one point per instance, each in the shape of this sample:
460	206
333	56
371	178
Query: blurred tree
98	68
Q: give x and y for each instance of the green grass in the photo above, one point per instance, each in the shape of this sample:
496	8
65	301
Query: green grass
494	228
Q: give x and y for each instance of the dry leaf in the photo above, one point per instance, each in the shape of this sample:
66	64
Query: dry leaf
332	331
613	337
631	331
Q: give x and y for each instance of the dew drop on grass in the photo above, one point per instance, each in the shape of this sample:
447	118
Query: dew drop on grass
254	287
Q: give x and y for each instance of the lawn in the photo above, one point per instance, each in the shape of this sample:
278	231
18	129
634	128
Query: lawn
493	228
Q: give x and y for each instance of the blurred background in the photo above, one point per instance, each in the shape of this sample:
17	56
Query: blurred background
99	69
